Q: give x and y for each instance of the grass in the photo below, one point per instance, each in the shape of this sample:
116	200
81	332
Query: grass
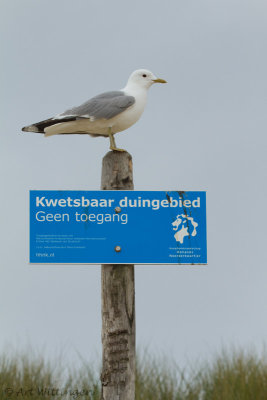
230	376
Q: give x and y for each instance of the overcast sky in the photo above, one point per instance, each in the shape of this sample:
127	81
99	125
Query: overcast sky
204	130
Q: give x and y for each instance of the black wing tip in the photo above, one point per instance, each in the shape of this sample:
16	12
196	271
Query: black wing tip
31	128
39	127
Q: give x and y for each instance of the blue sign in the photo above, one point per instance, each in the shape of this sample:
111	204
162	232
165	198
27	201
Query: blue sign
118	227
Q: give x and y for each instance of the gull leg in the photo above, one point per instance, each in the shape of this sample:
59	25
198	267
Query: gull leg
112	141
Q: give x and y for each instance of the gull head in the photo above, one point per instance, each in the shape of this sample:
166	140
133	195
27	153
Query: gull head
143	78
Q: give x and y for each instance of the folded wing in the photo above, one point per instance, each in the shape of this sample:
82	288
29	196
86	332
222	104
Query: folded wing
104	106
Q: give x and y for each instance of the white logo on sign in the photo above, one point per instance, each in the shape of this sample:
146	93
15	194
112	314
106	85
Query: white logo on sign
182	224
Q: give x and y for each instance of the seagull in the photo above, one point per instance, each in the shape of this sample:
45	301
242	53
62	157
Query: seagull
105	114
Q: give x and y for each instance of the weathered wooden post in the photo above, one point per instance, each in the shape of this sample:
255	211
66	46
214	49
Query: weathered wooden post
118	299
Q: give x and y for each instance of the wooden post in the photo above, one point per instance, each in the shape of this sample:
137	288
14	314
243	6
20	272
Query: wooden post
118	300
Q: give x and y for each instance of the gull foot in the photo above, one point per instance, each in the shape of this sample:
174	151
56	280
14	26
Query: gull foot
116	149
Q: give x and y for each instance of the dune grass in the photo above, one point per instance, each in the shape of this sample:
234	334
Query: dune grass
234	375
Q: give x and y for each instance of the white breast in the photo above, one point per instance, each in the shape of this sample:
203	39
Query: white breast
130	116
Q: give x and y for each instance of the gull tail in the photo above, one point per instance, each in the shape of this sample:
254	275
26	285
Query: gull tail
39	127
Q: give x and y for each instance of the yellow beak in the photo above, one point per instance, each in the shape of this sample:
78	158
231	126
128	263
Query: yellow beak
158	80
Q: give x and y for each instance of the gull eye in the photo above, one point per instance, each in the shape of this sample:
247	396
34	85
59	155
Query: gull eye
144	75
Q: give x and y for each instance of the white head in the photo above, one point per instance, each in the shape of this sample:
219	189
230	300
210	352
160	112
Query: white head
143	78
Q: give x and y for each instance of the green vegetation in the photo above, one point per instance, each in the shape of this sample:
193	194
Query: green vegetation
231	376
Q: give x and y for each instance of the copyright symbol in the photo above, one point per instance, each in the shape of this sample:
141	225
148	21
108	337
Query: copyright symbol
9	391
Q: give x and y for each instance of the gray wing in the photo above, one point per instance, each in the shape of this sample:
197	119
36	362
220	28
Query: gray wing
106	105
